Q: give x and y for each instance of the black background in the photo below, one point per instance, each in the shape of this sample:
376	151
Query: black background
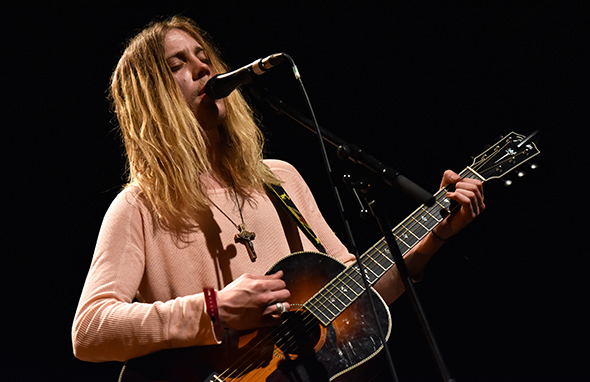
420	85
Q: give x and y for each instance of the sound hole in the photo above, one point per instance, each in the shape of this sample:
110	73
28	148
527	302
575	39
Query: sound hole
299	333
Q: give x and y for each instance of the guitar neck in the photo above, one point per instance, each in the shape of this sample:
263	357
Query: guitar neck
344	289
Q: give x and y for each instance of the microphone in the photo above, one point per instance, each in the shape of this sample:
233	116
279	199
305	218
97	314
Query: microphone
221	85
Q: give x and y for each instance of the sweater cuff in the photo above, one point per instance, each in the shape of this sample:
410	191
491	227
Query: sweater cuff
190	325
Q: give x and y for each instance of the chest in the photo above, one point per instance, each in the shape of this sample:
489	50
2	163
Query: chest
211	255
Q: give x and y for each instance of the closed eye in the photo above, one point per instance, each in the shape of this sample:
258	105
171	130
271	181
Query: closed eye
202	55
176	60
175	65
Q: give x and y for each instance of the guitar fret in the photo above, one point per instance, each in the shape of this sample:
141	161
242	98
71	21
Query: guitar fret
344	291
378	264
434	217
385	256
407	230
446	206
422	229
357	279
318	313
353	286
473	174
326	304
334	299
370	268
412	235
338	289
399	241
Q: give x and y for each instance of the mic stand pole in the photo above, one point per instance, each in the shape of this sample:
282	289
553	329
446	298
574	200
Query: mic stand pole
393	179
409	285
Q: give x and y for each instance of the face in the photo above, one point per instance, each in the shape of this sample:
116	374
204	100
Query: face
191	69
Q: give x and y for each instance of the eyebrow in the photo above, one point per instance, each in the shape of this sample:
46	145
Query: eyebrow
182	52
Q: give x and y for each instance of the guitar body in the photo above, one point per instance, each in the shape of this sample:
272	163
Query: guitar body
300	349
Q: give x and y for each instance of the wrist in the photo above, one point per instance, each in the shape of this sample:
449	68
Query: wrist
210	295
438	237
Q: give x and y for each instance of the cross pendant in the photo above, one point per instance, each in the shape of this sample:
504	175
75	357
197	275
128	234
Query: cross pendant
246	237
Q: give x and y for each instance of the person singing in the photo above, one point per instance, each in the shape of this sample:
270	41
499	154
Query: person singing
182	252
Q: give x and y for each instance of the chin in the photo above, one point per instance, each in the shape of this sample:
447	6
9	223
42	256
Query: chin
210	114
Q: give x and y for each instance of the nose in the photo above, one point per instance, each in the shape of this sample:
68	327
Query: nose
200	69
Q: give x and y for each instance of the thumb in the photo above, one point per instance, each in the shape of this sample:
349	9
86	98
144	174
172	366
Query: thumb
449	177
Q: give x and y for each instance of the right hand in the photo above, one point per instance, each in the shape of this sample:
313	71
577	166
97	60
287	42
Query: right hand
249	302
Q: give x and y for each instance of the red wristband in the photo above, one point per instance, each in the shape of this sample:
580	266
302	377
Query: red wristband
211	304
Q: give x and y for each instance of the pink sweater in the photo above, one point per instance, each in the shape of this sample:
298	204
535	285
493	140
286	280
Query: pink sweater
136	259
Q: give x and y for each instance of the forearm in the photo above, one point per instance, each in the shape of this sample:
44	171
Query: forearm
110	330
391	286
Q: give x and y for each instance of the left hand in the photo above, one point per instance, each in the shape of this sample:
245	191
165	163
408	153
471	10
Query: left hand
469	194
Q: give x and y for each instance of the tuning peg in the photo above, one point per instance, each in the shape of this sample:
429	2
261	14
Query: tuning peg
507	182
534	166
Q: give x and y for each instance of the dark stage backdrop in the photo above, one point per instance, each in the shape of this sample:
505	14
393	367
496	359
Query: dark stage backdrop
420	85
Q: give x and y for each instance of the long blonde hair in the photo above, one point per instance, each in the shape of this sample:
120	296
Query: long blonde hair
165	144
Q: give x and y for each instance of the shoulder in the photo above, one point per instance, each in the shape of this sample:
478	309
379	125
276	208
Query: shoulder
130	196
291	180
128	204
285	171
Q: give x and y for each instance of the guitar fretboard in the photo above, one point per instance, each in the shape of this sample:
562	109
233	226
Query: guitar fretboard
344	289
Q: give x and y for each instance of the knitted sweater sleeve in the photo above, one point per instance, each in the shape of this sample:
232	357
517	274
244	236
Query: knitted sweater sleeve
108	324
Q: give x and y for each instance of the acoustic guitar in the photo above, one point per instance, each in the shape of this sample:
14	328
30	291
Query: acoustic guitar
330	332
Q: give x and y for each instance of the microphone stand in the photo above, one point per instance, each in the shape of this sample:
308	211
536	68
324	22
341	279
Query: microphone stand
394	179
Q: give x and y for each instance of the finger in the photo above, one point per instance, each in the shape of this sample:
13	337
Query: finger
269	298
272	276
449	177
469	188
277	296
276	275
472	184
466	198
270	282
275	285
476	187
277	308
273	314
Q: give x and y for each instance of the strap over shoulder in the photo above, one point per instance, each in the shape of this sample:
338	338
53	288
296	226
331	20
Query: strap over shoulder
279	193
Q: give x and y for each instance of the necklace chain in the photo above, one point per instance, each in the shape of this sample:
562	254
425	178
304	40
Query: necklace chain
244	235
226	215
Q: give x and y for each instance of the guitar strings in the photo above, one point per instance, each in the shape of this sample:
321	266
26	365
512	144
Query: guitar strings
246	363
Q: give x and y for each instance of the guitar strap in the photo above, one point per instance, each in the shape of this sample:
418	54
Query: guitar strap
279	194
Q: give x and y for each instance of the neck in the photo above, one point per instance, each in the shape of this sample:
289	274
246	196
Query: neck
218	170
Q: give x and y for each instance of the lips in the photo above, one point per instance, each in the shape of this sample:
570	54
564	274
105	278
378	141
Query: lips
199	92
200	89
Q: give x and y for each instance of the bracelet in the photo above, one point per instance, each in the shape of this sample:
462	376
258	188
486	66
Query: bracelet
438	237
211	304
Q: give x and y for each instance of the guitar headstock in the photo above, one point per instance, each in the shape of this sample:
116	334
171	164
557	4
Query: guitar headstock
507	154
